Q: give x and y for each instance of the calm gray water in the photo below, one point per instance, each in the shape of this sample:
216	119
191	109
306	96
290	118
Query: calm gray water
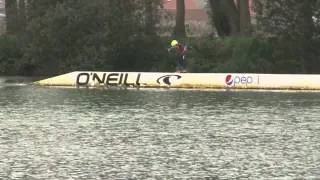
58	133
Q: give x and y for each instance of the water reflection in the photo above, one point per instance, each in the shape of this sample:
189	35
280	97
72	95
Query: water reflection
56	133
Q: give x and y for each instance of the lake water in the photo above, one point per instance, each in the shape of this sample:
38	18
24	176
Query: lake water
63	133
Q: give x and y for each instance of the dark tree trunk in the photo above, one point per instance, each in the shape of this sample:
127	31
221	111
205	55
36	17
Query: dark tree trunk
22	15
150	17
180	30
12	18
244	16
233	16
219	18
230	18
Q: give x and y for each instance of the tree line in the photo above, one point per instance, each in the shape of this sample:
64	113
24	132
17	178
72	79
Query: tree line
58	36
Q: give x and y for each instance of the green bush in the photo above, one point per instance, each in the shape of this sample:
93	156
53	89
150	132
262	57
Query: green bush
149	53
253	55
245	55
10	55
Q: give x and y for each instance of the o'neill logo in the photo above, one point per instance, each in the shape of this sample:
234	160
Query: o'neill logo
168	79
108	79
234	80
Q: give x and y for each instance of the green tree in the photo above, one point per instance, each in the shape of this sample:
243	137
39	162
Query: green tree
295	24
92	35
292	19
38	8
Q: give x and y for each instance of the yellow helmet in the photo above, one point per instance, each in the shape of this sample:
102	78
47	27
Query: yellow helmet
174	42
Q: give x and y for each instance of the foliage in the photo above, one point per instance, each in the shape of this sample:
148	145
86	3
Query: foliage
253	55
291	19
67	35
10	55
92	35
231	55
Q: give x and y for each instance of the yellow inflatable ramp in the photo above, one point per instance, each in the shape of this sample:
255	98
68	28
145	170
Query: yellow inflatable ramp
185	80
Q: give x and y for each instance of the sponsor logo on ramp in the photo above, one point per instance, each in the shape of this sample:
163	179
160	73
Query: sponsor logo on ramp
168	79
229	80
235	80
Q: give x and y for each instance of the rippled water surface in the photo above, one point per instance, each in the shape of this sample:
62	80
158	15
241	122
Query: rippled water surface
56	133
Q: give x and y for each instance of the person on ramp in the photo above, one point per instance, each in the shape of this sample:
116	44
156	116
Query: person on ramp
179	52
